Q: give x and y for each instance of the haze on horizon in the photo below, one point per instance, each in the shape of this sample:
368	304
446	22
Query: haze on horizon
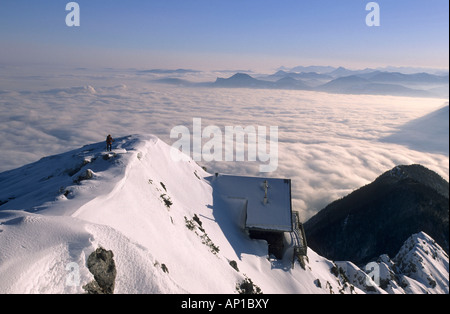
210	35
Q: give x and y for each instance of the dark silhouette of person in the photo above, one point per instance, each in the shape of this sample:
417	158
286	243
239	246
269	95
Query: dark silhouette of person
109	141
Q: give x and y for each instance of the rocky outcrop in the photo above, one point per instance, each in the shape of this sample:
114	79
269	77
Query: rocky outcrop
101	264
86	175
420	267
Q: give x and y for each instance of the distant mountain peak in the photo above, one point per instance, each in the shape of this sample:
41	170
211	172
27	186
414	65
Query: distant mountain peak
380	216
241	75
419	174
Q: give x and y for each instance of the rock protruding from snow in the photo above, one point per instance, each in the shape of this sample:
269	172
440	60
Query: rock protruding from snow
86	175
101	264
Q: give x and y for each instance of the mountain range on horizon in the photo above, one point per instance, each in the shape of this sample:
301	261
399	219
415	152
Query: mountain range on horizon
331	80
372	83
318	69
340	70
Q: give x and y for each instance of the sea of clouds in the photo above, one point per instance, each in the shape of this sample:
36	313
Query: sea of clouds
329	145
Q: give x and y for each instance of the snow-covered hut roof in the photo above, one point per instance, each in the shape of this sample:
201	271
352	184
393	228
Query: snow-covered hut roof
274	214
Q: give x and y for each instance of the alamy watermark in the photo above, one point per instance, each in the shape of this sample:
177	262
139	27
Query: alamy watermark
227	145
373	18
73	277
373	273
73	17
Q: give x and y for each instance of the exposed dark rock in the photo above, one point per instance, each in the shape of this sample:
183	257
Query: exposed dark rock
101	264
234	265
248	287
164	268
86	175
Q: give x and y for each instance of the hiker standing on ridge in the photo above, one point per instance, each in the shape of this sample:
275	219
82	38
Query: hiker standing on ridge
109	141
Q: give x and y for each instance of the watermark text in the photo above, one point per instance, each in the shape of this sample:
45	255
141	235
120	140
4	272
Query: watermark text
73	17
227	145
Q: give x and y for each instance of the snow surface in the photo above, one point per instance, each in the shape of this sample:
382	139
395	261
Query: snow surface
146	208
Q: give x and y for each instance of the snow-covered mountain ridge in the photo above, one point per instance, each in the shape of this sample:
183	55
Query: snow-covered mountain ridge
167	234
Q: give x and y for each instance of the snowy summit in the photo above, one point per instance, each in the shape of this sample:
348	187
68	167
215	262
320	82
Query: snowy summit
168	233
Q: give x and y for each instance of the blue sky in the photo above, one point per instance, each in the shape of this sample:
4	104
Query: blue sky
219	34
